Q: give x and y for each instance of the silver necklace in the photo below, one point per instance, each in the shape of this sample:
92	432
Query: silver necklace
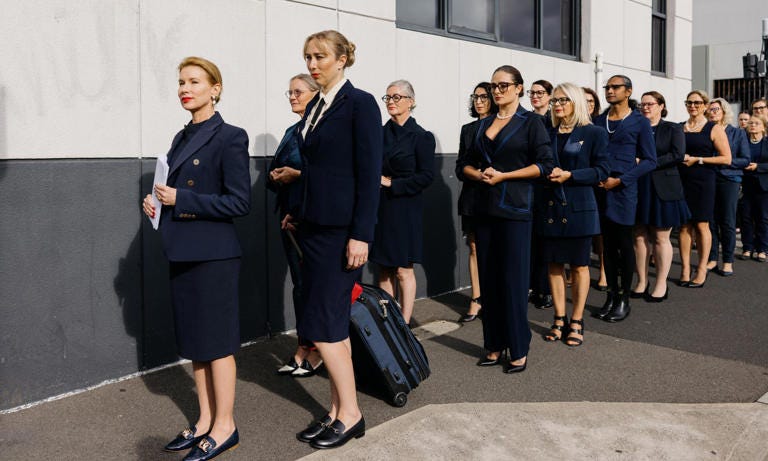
755	142
617	127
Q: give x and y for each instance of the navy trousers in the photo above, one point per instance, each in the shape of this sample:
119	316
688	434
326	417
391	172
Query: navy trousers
503	259
723	227
754	217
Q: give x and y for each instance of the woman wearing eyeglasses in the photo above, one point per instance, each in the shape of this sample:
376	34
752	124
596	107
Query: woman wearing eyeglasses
754	204
661	204
512	149
706	148
481	105
540	94
727	185
567	215
284	171
407	169
632	155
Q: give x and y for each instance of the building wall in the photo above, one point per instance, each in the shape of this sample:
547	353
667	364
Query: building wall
88	101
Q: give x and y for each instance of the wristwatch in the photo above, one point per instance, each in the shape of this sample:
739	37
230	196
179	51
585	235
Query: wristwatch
701	160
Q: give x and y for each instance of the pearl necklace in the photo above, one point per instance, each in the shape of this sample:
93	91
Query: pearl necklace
696	127
755	142
504	117
622	119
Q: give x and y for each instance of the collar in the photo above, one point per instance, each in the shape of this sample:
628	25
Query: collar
331	95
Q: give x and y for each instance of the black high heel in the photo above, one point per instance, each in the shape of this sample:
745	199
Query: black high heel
653	299
470	317
551	335
486	361
575	342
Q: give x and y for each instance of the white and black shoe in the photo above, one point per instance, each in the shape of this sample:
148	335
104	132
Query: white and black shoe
305	370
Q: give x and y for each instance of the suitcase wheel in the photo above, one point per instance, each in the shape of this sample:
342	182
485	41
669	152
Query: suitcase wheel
400	399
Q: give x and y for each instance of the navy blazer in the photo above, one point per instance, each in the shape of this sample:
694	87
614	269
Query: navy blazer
408	159
570	209
759	177
287	154
633	139
670	152
213	185
740	157
467	196
522	142
341	156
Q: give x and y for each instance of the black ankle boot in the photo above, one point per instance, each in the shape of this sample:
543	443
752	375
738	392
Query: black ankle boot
607	307
620	309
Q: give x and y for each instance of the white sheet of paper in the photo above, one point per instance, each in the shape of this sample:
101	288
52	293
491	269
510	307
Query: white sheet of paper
161	176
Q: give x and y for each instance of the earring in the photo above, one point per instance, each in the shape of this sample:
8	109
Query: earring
213	100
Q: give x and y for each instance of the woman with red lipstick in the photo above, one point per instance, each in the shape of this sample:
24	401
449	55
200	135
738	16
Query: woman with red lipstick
208	184
341	149
567	216
408	168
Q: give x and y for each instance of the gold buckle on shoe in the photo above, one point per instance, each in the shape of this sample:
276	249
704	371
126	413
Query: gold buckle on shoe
205	445
187	433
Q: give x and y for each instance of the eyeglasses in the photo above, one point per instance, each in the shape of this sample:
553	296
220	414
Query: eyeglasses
394	97
536	94
693	103
714	110
479	97
648	104
757	108
502	86
561	101
296	93
591	102
614	87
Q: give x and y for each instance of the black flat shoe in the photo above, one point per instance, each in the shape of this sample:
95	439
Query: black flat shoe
696	285
335	435
653	299
185	440
599	287
683	283
209	449
636	295
289	367
543	302
516	368
314	429
488	362
305	370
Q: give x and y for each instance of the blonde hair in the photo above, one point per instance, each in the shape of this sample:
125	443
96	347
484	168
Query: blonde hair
336	42
580	115
727	111
702	94
214	75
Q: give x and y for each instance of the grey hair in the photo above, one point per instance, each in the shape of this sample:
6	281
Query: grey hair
727	111
306	78
406	87
580	115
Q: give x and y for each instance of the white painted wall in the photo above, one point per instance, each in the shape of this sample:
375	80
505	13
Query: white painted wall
97	78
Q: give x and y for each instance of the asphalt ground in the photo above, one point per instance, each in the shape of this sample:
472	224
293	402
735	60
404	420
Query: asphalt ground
676	380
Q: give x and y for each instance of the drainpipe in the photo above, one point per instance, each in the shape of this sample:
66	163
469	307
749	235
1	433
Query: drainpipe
598	70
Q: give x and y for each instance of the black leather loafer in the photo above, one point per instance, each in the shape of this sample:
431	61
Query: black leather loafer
185	440
335	434
209	449
314	429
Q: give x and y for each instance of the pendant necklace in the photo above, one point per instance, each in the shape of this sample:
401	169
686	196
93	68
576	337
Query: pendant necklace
504	117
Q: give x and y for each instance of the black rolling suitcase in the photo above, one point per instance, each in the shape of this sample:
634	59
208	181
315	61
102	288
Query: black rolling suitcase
384	351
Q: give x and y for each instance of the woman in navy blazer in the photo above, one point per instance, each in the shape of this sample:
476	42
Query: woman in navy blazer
568	217
754	207
513	149
284	171
661	204
341	150
208	184
632	155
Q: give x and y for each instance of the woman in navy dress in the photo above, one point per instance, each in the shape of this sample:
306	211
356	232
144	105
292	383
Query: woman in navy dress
208	184
341	150
632	155
661	204
727	187
754	205
513	149
706	148
407	169
481	105
567	217
284	171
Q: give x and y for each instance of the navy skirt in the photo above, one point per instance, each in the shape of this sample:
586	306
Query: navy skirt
575	251
699	187
653	211
205	302
326	284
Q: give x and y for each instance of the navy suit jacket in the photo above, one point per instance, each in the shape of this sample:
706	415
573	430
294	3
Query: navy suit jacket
633	139
570	209
287	154
468	188
341	157
760	175
670	152
213	185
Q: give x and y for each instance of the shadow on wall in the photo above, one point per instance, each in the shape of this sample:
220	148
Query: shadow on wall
439	232
3	130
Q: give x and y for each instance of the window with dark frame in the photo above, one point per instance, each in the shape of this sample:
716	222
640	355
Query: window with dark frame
659	36
549	25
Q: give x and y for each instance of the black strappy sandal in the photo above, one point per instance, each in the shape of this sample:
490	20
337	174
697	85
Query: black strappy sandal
575	342
556	331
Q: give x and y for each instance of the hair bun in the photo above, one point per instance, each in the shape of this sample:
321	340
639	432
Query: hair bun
350	54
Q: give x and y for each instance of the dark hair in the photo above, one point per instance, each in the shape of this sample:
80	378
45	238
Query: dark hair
594	95
659	98
547	86
633	104
627	80
516	75
487	87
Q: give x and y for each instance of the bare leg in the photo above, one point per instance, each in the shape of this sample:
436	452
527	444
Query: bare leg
474	277
338	360
224	373
579	291
642	256
703	246
557	286
663	251
597	243
387	280
406	279
205	397
685	253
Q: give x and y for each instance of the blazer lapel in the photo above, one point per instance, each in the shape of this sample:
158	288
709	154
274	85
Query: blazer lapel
338	101
511	128
197	142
